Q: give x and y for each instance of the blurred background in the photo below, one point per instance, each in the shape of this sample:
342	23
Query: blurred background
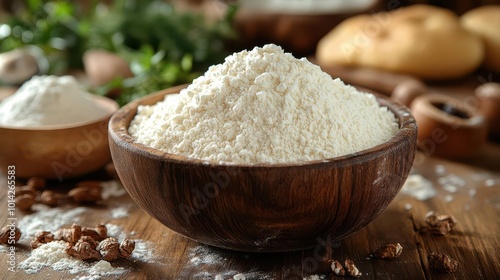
164	43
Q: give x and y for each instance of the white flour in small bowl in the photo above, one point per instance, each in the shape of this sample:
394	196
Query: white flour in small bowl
264	106
49	100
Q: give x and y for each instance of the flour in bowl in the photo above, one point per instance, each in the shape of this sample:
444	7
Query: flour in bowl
264	106
49	100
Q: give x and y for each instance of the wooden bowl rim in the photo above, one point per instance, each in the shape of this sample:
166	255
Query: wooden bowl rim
108	104
425	105
118	132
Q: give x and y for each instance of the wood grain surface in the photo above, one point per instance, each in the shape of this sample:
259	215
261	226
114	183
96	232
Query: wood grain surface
475	242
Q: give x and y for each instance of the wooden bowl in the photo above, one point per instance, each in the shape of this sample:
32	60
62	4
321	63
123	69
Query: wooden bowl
263	207
488	96
448	127
57	151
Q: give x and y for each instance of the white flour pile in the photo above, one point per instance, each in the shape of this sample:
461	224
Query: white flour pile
264	106
53	255
49	100
49	219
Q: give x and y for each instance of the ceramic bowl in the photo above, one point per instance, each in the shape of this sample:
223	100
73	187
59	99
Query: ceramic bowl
57	151
263	207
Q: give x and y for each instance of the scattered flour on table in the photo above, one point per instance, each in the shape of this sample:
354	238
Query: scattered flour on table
315	277
418	187
115	231
448	198
472	192
264	106
49	100
239	276
119	212
233	275
440	169
53	255
47	218
112	188
206	257
103	267
489	183
451	183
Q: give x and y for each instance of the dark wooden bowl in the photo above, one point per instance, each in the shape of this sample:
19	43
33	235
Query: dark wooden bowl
264	207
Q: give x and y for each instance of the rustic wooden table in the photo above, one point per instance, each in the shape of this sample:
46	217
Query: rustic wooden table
468	189
475	242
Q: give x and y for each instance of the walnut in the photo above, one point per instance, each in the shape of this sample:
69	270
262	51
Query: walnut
389	251
86	192
109	249
50	198
89	184
337	268
71	235
442	262
440	224
351	268
126	248
25	201
99	233
38	183
41	237
26	190
84	249
6	233
93	243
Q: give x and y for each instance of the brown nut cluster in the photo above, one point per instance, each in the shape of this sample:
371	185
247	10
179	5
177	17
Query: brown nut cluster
27	195
99	233
26	190
34	192
388	251
87	244
86	192
337	268
38	183
9	233
70	235
41	237
440	224
111	249
25	201
85	249
51	198
442	262
126	248
349	268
